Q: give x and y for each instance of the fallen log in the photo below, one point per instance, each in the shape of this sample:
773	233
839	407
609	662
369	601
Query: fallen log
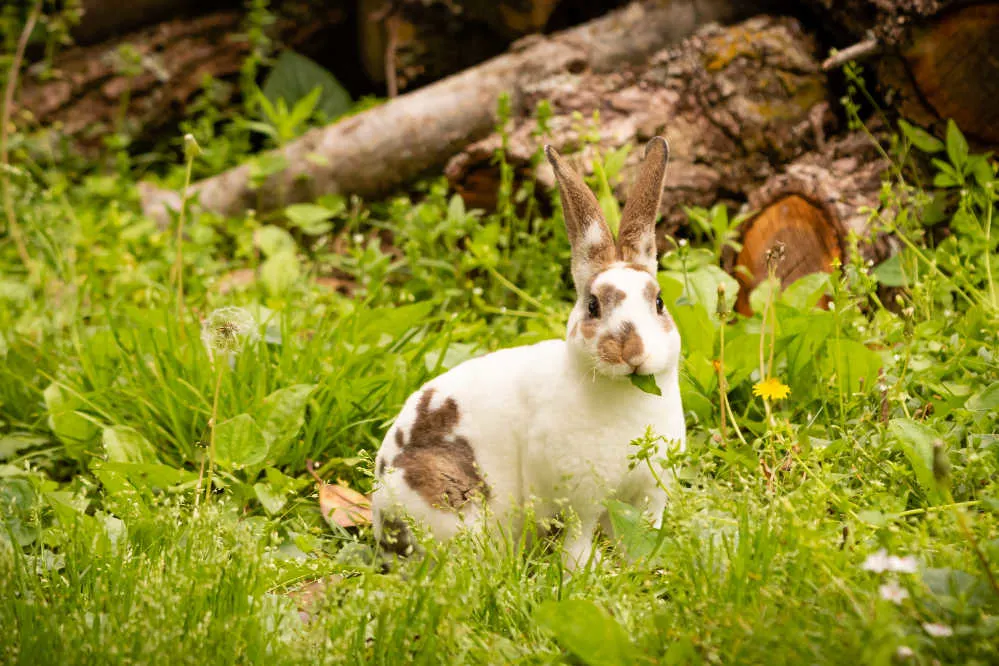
96	91
408	43
101	20
734	102
813	208
936	59
383	148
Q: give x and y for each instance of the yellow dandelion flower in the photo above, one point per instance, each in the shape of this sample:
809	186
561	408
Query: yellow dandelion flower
771	388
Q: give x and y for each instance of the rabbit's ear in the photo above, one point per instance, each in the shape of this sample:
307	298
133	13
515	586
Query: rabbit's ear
591	240
636	242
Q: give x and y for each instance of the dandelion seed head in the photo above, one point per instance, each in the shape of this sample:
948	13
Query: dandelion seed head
227	329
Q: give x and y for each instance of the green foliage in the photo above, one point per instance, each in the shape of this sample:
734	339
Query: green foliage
107	393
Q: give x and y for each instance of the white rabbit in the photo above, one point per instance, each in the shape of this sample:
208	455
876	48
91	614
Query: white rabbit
548	425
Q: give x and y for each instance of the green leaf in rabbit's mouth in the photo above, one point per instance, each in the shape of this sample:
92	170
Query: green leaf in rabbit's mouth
646	383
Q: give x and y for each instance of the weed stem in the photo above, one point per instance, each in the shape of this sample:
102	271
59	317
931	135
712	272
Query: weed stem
8	103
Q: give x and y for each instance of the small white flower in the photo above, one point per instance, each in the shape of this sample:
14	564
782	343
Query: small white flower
358	239
897	358
906	564
937	630
881	562
904	652
893	592
878	562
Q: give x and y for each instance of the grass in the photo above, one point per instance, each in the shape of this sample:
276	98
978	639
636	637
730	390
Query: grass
128	539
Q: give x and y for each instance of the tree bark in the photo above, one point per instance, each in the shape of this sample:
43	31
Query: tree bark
408	43
383	148
91	95
936	58
104	19
734	102
813	208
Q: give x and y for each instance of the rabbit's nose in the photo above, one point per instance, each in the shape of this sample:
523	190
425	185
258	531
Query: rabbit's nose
637	361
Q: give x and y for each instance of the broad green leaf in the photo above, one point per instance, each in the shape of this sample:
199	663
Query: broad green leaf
646	383
955	588
855	364
985	400
240	442
281	415
17	501
632	529
150	475
805	292
890	272
271	499
127	445
957	146
387	324
294	77
273	240
920	138
916	442
11	445
280	272
589	633
72	429
310	218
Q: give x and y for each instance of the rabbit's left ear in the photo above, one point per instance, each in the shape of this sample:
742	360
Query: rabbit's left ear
636	241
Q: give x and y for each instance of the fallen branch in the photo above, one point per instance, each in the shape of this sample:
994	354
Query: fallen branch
384	148
735	102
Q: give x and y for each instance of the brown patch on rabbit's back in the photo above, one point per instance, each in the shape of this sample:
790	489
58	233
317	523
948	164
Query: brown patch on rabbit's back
437	463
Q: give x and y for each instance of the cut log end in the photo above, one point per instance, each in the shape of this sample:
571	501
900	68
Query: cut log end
811	243
814	208
955	69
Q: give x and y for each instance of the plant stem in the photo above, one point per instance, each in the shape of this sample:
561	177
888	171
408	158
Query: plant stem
722	386
988	253
214	426
178	265
8	102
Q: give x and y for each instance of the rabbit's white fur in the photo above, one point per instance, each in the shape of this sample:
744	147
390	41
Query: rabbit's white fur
548	426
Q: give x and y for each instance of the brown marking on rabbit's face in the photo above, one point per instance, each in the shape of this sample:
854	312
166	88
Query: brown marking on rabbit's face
652	295
436	463
621	347
380	468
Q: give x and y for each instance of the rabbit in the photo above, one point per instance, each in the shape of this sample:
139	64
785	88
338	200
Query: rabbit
548	425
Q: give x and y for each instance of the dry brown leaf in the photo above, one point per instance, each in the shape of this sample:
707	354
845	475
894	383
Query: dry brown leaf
344	506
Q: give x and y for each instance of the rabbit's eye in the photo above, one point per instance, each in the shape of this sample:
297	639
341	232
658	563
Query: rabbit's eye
659	304
593	307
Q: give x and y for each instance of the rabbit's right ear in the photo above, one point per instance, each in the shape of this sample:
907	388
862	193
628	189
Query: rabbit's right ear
592	244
